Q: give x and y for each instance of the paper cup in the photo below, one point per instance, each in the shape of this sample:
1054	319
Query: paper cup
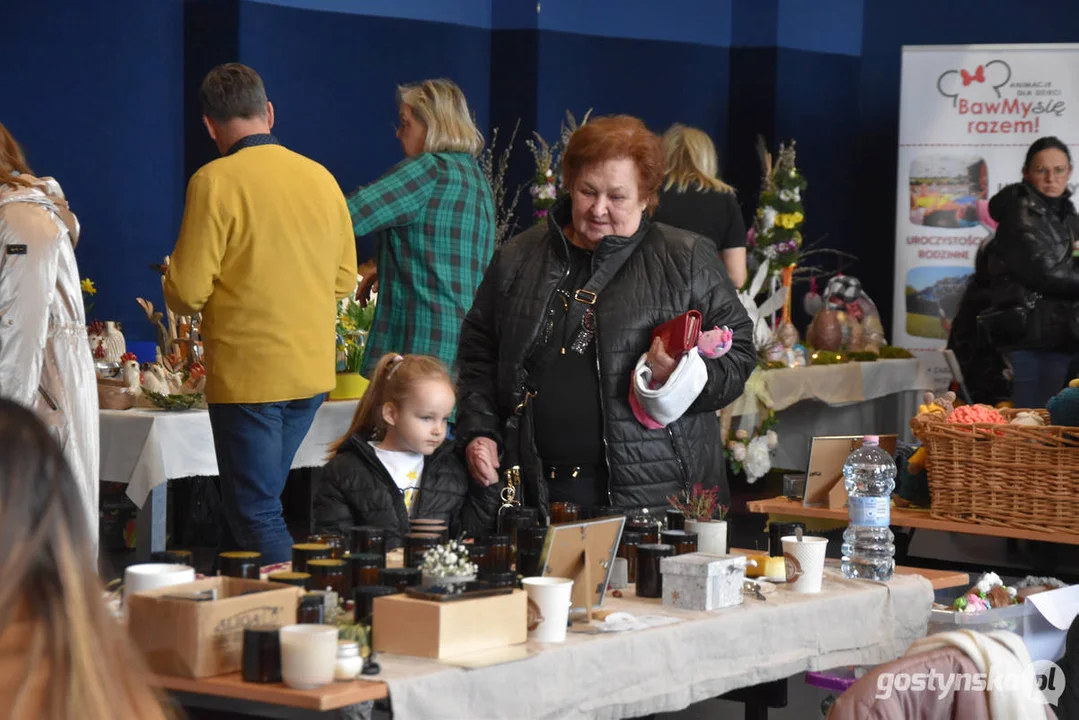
805	562
548	608
308	655
150	576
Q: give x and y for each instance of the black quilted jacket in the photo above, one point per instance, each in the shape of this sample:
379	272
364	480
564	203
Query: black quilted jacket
354	488
668	272
1030	261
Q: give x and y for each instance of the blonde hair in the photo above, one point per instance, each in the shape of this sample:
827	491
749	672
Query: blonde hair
395	377
691	160
441	106
79	662
12	161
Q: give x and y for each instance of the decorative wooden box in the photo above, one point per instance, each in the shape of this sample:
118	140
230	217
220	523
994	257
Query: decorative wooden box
699	581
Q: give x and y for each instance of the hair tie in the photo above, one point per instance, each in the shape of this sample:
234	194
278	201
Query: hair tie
397	360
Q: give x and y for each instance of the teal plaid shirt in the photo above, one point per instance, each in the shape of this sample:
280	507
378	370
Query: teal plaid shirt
435	225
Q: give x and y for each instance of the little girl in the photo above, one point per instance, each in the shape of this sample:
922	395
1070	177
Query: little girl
395	462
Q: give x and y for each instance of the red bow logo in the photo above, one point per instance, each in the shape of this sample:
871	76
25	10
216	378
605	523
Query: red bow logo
978	76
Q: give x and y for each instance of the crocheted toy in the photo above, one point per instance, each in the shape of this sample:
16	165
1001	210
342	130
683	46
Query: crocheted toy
939	405
1064	406
1028	419
976	414
656	406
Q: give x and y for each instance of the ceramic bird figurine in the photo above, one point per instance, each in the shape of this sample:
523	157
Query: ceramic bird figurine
131	373
154	379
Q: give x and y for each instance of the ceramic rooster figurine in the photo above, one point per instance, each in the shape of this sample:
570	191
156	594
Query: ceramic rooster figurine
132	375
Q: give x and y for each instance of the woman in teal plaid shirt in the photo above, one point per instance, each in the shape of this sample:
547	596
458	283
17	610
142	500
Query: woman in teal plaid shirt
435	226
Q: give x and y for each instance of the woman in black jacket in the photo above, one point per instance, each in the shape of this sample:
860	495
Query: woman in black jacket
560	322
1035	275
395	462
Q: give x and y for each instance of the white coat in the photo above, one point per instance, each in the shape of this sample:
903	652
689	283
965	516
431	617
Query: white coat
45	358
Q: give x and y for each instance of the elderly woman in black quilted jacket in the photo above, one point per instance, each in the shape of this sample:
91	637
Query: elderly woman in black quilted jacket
395	463
1034	271
561	322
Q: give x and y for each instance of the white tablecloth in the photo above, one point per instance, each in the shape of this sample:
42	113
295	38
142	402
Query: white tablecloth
668	668
146	448
857	398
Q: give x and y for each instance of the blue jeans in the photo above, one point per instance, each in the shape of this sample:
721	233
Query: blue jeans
255	445
1038	375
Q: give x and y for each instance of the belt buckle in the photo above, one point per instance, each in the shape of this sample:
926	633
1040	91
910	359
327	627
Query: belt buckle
585	296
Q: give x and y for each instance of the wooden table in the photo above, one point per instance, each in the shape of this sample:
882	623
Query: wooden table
257	697
939	579
911	518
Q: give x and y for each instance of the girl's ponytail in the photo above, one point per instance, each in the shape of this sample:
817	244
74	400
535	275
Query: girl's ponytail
368	415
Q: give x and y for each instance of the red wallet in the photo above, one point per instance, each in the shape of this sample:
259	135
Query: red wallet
680	334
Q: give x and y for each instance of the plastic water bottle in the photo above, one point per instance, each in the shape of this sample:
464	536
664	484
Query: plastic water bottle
868	543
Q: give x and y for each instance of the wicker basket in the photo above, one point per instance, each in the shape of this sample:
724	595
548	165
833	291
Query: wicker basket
1011	475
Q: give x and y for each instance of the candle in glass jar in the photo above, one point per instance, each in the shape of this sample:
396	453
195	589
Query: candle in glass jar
369	539
646	526
676	519
416	544
400	578
329	574
308	655
628	549
296	579
240	564
337	543
311	609
565	512
499	554
649	577
364	568
302	552
683	541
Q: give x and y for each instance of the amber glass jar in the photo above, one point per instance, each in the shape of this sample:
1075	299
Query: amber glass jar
682	540
500	554
676	519
364	598
649	577
628	549
240	564
302	552
364	567
311	610
338	544
296	579
329	574
369	539
400	578
416	544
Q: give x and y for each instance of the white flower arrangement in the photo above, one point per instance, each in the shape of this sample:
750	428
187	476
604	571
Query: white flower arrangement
449	560
758	459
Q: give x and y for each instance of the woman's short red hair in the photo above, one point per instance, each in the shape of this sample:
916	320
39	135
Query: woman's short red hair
612	138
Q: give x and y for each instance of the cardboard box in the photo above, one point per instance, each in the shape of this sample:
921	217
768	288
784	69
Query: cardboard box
196	639
439	630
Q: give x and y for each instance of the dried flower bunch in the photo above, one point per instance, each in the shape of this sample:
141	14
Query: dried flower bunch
449	560
699	503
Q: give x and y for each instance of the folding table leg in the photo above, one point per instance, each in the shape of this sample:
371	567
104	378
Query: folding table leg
151	523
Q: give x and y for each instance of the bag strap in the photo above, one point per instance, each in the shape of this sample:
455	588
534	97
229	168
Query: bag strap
583	299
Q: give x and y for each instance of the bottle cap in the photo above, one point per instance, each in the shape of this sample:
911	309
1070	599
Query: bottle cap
871	440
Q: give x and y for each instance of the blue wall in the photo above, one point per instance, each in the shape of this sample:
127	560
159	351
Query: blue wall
92	90
108	102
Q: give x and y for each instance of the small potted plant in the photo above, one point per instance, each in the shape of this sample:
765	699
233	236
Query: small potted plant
704	516
353	324
448	566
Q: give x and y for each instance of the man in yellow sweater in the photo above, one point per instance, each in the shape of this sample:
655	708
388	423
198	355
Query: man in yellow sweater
265	251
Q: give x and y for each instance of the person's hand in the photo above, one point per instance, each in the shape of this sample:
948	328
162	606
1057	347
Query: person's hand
661	364
368	283
482	457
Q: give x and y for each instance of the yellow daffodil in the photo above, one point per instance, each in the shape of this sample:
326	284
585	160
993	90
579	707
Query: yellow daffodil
88	286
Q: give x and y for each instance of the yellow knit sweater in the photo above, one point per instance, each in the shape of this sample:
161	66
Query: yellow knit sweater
265	251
